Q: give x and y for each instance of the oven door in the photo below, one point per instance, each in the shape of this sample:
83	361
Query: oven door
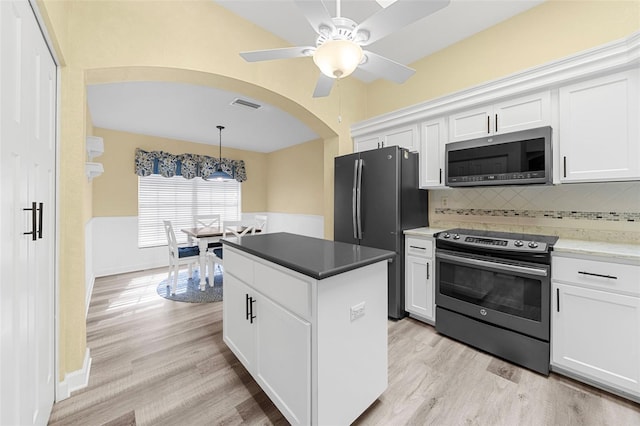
511	294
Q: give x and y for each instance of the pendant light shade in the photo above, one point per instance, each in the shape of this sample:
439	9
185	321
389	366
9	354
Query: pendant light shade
219	174
338	58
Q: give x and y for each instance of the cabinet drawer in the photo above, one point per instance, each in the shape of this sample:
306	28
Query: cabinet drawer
597	274
290	291
238	265
420	247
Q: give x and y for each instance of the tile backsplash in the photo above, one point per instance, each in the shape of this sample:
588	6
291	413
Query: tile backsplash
591	211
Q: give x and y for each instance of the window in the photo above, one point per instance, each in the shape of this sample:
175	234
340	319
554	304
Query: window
178	199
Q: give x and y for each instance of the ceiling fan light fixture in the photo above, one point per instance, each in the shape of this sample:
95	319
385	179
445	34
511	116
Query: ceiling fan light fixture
338	58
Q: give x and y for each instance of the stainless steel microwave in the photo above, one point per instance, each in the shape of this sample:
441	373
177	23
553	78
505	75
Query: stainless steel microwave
518	158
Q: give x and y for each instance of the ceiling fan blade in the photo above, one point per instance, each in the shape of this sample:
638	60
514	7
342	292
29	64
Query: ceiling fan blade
316	13
284	53
386	68
398	15
323	86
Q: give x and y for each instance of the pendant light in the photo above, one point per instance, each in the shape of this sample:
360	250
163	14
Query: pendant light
219	174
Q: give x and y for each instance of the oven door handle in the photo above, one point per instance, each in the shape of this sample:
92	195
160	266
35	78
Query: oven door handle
495	265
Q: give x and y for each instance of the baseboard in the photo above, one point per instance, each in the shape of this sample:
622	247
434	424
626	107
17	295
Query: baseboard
75	380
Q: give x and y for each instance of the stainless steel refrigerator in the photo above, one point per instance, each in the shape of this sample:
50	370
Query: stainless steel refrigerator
376	197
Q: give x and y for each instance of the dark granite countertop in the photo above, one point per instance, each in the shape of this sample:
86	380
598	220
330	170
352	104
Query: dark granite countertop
314	257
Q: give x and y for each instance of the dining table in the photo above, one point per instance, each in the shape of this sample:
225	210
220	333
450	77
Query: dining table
204	236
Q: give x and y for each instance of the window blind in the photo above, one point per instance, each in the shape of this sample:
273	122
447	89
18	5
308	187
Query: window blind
178	199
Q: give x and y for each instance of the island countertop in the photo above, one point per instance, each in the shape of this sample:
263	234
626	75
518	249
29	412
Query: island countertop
314	257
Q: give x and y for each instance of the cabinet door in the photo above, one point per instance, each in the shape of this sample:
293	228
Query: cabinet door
284	359
405	137
599	129
367	143
470	124
433	136
419	287
238	331
597	334
523	113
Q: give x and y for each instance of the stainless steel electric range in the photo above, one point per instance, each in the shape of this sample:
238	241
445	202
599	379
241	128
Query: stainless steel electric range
493	292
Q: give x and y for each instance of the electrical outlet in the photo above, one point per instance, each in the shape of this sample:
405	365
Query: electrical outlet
357	311
445	201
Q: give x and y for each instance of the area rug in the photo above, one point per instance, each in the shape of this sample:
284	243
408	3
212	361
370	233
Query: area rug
189	288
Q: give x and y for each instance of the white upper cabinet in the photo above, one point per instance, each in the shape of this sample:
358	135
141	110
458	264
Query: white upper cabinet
433	136
599	129
522	113
366	143
404	136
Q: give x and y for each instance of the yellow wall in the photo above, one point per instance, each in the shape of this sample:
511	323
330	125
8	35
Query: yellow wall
550	31
115	192
296	182
128	40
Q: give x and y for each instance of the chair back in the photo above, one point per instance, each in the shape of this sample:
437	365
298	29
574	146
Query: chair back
208	221
261	223
238	228
172	242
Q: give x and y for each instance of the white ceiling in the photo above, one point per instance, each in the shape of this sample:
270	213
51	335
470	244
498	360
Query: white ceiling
191	113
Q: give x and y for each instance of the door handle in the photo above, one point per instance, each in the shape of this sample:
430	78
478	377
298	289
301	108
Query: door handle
359	201
34	221
558	299
354	201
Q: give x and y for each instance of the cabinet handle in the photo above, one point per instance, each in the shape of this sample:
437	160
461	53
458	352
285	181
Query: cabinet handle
564	166
488	124
40	220
418	248
558	299
34	220
496	128
246	306
427	271
440	175
598	275
251	316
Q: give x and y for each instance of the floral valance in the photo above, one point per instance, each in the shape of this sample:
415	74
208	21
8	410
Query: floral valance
186	165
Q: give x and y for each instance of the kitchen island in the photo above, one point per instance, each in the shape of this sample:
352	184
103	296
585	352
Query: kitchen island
308	319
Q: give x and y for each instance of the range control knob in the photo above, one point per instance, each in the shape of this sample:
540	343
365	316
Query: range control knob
532	244
446	235
456	236
518	243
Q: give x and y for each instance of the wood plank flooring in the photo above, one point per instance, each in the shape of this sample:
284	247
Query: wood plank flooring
159	362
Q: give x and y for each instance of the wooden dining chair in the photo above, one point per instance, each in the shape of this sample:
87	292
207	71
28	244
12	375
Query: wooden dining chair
235	228
179	256
209	221
260	223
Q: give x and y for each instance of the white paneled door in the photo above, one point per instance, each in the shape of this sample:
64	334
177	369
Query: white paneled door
27	218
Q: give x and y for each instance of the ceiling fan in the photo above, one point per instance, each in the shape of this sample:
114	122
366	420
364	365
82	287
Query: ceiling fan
338	50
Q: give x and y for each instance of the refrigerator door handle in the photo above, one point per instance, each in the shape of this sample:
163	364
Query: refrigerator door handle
359	201
354	205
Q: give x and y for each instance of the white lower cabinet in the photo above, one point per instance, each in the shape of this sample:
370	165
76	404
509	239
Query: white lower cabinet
283	370
318	348
419	278
595	321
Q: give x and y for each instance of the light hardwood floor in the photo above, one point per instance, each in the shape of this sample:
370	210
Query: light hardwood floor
158	362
